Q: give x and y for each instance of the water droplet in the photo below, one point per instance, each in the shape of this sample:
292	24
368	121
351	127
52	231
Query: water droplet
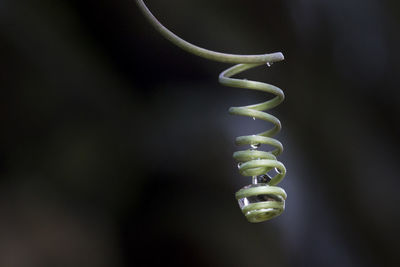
239	165
254	118
265	178
255	146
269	64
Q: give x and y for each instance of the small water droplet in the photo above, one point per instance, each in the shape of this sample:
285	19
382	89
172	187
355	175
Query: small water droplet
269	64
255	146
239	165
254	118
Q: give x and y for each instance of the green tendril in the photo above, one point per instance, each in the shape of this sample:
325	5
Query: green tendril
259	201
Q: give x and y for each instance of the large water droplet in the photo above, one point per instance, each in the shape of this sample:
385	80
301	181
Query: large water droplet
265	178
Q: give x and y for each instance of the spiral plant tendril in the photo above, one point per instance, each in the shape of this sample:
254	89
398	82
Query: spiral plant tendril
261	200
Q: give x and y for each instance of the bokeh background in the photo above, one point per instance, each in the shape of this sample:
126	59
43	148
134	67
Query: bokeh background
116	146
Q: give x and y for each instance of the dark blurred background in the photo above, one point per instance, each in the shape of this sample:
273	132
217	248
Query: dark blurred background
116	146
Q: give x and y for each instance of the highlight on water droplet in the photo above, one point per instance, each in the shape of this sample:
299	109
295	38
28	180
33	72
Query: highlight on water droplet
254	118
239	165
269	64
255	146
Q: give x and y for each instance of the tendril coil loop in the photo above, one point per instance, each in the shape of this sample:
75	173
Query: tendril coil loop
259	202
262	200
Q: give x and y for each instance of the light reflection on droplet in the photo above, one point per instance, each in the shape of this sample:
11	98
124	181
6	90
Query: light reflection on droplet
255	146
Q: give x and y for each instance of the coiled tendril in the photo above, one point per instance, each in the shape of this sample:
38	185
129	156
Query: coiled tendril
261	200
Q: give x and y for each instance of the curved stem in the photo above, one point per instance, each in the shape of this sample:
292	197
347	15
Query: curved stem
202	52
251	161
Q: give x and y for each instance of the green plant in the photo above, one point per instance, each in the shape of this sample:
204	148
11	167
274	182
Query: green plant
261	200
